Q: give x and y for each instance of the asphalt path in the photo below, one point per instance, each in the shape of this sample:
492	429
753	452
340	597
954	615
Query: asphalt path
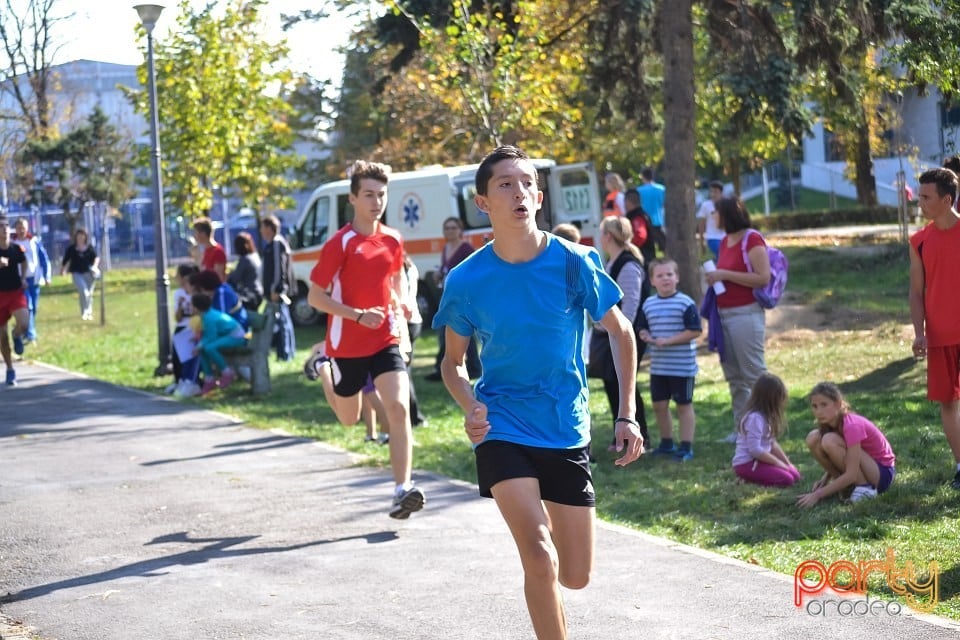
130	516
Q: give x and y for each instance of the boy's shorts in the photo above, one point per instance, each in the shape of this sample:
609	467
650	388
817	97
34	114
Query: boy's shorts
11	301
564	474
943	373
351	374
676	388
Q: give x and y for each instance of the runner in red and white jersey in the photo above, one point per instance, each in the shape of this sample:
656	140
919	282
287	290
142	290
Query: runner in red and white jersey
357	283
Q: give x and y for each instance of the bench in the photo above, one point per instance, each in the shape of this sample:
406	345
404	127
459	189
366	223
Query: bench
256	355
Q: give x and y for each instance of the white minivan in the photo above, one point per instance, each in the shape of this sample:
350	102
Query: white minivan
418	203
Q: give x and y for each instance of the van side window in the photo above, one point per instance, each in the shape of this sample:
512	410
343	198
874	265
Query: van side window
313	230
575	194
344	210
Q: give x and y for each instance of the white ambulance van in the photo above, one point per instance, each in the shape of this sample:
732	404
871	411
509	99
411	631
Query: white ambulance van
417	204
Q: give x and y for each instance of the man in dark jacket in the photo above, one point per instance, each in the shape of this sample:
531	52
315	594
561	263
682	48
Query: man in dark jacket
278	284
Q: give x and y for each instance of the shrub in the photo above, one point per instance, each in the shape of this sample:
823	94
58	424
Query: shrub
827	218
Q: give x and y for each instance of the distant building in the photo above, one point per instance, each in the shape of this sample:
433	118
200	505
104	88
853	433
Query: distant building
929	131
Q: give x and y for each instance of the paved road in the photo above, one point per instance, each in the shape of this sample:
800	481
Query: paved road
126	516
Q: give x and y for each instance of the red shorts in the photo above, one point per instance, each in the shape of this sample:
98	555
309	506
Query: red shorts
943	373
11	301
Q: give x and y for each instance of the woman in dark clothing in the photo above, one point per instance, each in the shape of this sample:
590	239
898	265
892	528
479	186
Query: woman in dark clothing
455	250
81	260
246	276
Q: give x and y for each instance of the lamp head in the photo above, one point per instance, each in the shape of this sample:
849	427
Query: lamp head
149	14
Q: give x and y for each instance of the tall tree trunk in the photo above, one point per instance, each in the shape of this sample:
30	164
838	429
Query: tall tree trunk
676	35
866	180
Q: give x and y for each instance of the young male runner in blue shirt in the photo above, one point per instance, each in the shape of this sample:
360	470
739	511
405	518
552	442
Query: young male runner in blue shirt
523	295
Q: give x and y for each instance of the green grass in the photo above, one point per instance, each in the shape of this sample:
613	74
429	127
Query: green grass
806	200
866	350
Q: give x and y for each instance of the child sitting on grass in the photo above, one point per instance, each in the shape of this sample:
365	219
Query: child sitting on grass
850	448
758	457
217	331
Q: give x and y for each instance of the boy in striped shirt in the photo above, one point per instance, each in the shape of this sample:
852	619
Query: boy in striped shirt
670	324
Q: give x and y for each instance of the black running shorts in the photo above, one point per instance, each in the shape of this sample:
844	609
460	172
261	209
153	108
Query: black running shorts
350	374
564	474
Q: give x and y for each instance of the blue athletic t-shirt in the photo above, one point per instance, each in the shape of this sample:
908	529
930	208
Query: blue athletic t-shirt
528	319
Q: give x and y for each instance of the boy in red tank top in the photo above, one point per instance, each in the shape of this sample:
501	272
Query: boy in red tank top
934	305
357	283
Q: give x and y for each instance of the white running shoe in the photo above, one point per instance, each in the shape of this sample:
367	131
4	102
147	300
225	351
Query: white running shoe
863	492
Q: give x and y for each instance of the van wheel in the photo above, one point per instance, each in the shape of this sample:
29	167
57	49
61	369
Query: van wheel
302	313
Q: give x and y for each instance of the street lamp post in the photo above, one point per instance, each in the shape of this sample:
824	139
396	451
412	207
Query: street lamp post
149	14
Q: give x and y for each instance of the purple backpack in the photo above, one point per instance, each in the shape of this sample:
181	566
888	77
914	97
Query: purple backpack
769	295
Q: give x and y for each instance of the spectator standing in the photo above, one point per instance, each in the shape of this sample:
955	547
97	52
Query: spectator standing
455	250
670	325
81	261
279	285
742	319
613	202
38	271
652	196
246	277
934	305
411	280
641	225
625	267
212	256
708	230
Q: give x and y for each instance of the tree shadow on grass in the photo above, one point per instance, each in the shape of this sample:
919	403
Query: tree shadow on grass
888	378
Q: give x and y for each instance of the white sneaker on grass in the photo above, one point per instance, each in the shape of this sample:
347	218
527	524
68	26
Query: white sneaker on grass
863	492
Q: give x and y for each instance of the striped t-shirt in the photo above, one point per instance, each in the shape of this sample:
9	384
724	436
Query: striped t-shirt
665	317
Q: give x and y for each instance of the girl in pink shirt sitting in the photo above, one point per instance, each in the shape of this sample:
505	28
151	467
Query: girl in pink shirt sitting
850	448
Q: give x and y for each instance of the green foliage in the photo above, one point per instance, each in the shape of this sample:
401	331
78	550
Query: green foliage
92	163
481	74
750	94
224	118
311	121
927	48
825	218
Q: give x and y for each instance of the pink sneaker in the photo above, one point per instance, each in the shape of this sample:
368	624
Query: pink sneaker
209	385
227	378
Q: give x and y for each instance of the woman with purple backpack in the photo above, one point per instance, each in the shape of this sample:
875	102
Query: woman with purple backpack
742	266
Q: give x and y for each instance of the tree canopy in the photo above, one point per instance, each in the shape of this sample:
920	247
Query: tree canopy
91	163
224	117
